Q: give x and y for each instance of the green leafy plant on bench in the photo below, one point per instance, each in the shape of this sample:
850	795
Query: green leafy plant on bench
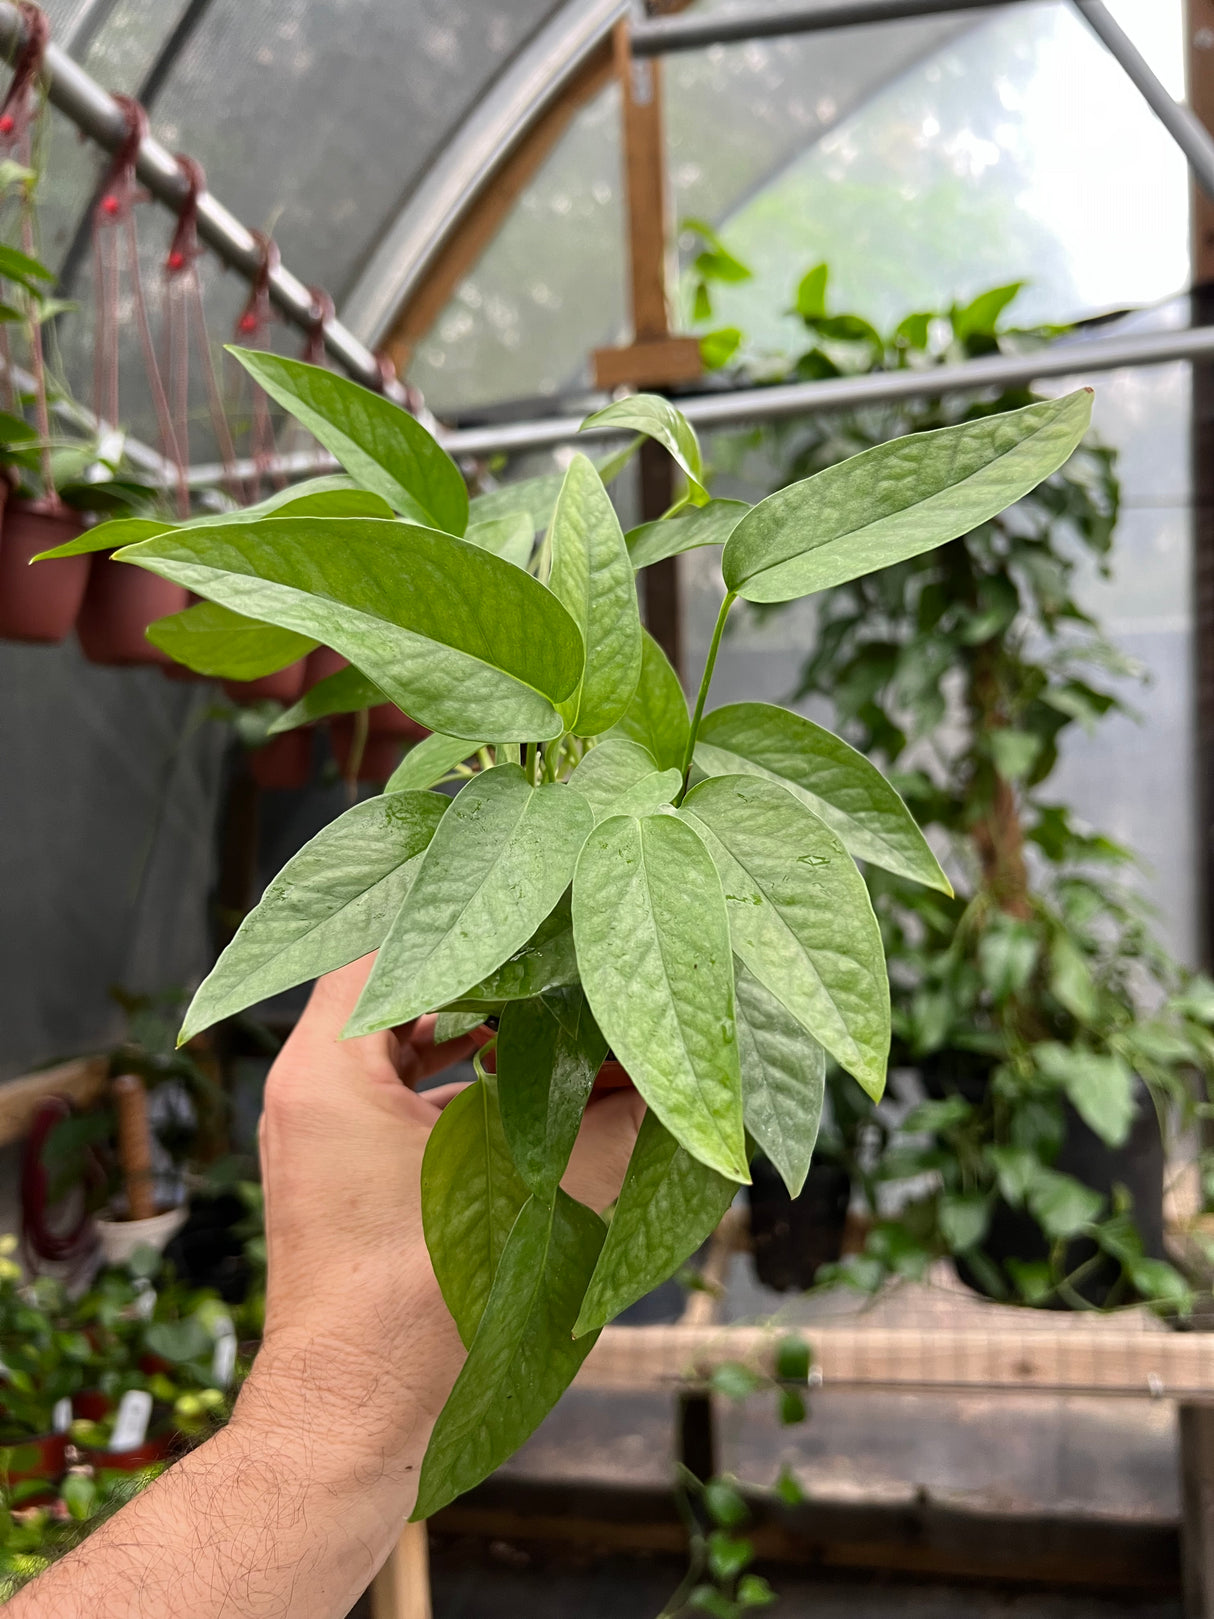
1038	992
614	873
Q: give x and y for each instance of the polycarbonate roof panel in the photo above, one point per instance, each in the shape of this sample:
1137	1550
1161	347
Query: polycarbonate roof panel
552	285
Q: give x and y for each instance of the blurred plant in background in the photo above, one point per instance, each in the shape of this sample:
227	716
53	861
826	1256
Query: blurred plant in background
1053	1035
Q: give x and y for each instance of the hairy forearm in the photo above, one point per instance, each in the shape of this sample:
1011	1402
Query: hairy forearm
289	1511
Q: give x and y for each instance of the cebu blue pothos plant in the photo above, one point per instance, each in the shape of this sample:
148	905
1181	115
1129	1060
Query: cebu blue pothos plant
614	873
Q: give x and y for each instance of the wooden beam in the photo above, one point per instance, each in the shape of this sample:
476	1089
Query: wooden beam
485	217
401	1589
1196	1427
916	1536
657	362
81	1081
1079	1360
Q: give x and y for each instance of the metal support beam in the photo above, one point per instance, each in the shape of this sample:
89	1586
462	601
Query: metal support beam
1186	130
95	112
662	36
1066	359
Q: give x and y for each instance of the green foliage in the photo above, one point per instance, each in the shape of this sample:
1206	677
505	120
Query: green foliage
1026	993
571	889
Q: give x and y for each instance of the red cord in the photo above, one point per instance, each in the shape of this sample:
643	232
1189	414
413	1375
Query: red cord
18	107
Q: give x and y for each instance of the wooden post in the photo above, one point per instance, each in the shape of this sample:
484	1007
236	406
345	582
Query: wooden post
134	1145
1196	1430
1200	25
401	1589
654	359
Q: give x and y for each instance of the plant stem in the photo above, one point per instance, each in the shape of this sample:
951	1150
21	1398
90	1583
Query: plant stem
705	680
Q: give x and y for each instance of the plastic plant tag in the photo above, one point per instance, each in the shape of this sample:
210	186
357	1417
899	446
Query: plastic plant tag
61	1415
223	1361
131	1422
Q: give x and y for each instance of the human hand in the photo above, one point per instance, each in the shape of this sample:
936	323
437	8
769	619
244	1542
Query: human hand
357	1334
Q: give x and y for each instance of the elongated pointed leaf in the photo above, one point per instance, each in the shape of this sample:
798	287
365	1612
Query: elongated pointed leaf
395	600
799	916
523	1357
548	1051
318	497
898	500
592	575
837	783
652	937
658	419
451	1025
657	716
620	777
106	537
783	1078
505	856
343	692
429	760
668	1205
536	497
380	444
511	537
471	1195
333	902
215	641
547	961
694	527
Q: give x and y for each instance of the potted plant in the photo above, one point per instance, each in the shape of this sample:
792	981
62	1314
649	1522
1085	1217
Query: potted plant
598	883
43	1357
1050	1031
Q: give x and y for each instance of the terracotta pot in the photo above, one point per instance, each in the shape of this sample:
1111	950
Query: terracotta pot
321	664
285	763
387	720
43	1457
612	1076
120	602
283	686
39	603
380	755
91	1405
156	1448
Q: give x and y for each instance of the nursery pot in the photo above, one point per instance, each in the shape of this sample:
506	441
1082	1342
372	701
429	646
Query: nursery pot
120	601
43	1457
39	603
1014	1233
283	686
155	1448
285	763
791	1238
120	1238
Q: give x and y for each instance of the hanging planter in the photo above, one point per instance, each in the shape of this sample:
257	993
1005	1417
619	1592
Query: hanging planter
283	686
39	604
285	763
119	604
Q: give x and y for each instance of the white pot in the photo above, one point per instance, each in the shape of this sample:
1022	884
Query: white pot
120	1238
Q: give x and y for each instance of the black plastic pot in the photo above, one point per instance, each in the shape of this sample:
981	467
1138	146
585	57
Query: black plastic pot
1014	1233
793	1237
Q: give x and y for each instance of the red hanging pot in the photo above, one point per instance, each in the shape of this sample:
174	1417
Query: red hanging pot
285	763
283	686
120	602
380	755
40	603
385	719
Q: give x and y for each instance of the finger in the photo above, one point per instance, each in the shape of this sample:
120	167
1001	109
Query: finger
419	1058
439	1095
602	1149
